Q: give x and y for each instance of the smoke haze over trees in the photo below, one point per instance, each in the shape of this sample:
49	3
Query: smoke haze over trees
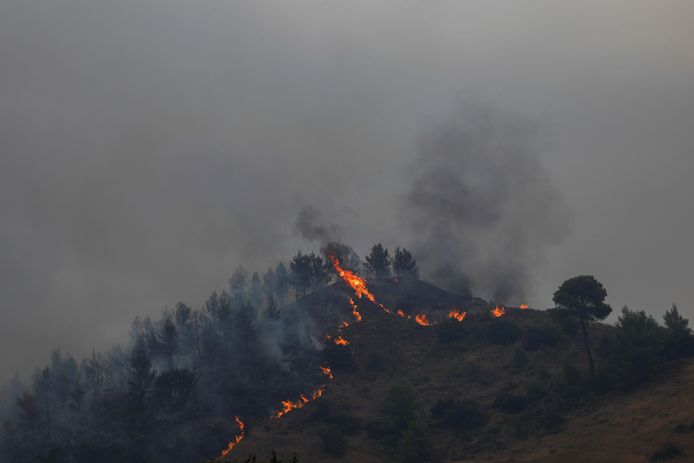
148	147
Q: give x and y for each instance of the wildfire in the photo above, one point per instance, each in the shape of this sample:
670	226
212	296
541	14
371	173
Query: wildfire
422	319
357	283
288	405
523	306
457	314
236	440
340	341
401	314
327	372
355	310
498	311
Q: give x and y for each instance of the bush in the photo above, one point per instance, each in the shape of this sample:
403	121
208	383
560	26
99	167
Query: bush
537	337
638	353
535	391
399	405
667	451
375	362
465	415
519	360
564	320
333	443
500	331
415	445
338	357
510	403
450	331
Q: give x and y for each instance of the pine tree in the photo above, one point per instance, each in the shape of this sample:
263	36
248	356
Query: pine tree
378	262
404	264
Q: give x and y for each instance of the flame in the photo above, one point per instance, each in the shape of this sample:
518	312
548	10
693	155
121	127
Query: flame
401	314
327	372
340	341
288	405
355	310
344	324
236	440
523	306
498	311
457	314
422	319
357	283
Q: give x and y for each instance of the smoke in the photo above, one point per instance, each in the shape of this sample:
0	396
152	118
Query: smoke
311	226
482	208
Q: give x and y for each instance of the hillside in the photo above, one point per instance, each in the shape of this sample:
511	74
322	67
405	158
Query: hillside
520	371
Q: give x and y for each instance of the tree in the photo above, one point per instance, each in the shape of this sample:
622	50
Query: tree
378	262
404	264
281	283
679	341
256	293
246	326
318	272
300	273
141	377
584	297
638	352
238	286
168	339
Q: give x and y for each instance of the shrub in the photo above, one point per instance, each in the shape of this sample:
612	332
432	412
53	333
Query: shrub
500	331
535	391
519	359
333	443
564	320
450	331
537	337
375	362
510	403
463	415
638	352
338	357
415	445
667	451
399	405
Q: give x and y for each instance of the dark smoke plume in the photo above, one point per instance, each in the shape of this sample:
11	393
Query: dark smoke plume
482	207
311	225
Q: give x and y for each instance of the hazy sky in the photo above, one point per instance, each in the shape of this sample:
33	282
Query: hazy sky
148	147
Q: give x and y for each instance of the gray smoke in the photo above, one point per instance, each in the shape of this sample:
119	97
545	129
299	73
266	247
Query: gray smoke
482	207
311	226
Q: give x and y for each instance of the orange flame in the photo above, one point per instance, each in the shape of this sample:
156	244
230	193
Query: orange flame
327	372
357	283
288	405
401	314
355	310
523	306
236	440
422	319
340	341
498	311
457	314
